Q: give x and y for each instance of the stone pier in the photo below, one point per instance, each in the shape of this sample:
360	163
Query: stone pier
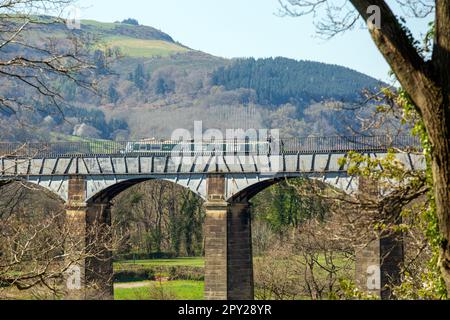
90	274
378	266
379	262
228	247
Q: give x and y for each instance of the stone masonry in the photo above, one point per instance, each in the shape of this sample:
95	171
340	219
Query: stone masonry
90	273
378	263
228	251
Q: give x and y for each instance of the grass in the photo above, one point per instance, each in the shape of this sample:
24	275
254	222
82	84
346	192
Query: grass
188	262
136	48
167	290
99	146
100	25
130	46
151	290
60	137
164	290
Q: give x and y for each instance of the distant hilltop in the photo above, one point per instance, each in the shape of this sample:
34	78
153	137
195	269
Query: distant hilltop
125	29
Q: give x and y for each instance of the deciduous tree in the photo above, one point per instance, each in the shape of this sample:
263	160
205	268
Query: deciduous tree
424	76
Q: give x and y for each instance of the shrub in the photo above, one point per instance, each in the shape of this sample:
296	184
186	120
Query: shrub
139	273
134	275
145	256
131	21
186	273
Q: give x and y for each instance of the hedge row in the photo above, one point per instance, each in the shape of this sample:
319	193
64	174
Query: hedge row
145	256
140	273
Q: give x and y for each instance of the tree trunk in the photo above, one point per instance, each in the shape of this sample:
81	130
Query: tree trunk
440	139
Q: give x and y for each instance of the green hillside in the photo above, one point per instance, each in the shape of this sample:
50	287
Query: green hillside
133	41
149	85
124	29
280	80
143	48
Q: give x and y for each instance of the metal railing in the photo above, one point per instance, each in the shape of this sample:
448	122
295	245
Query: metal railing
305	145
348	143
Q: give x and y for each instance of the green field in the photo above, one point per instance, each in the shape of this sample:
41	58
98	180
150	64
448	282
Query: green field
162	288
155	290
137	42
60	137
188	262
85	145
100	25
132	47
170	290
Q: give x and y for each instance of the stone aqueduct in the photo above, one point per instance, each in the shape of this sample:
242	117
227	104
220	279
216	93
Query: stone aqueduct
87	177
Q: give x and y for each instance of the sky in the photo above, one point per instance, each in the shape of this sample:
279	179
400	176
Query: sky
246	28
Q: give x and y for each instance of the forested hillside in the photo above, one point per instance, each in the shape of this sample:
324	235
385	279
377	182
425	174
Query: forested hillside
280	80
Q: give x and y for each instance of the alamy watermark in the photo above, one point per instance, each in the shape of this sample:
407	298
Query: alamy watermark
373	277
72	17
374	19
73	281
